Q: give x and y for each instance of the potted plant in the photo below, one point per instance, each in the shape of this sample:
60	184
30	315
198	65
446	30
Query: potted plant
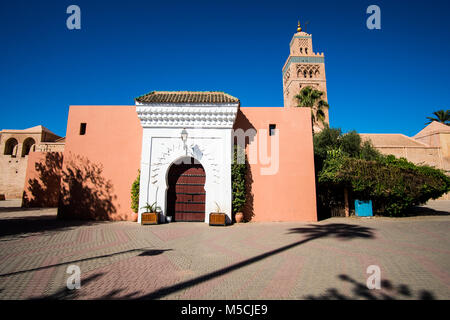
239	217
151	214
217	218
135	198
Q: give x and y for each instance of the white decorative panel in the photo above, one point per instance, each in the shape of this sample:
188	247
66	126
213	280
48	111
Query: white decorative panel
209	142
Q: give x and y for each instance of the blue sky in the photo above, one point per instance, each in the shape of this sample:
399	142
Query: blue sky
378	81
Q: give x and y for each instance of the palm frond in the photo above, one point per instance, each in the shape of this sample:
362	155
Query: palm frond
442	116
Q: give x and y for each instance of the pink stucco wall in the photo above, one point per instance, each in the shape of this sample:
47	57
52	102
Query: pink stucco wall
100	166
42	179
288	195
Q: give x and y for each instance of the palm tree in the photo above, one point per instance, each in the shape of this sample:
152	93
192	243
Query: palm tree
312	98
441	116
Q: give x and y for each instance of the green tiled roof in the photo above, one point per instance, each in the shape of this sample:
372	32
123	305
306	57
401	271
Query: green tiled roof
187	97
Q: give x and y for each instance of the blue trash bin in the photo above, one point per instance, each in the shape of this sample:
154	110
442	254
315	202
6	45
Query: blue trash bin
363	208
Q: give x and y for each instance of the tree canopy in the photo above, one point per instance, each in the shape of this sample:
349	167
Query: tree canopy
312	98
440	116
344	161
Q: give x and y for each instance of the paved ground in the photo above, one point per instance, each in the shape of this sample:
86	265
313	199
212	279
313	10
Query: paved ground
325	260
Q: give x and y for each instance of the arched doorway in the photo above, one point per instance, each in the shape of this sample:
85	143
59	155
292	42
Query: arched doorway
186	193
27	146
11	147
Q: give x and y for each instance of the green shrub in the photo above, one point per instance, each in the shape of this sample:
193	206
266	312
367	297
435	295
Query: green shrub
238	173
135	194
394	184
349	144
368	152
344	161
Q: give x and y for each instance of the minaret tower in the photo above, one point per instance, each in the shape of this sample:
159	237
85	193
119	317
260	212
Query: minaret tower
303	68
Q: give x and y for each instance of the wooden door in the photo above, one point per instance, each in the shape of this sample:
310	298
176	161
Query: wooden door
186	194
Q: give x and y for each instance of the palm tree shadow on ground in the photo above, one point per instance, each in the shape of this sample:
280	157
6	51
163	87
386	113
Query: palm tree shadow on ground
360	291
340	231
67	294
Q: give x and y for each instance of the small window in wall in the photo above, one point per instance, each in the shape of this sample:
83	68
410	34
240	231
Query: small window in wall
272	128
82	129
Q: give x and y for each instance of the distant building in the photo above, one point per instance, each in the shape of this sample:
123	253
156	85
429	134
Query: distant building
304	68
15	147
430	146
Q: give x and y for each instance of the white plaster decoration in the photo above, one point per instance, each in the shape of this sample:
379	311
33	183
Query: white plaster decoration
209	142
185	115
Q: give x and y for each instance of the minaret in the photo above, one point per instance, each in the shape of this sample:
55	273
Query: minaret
303	68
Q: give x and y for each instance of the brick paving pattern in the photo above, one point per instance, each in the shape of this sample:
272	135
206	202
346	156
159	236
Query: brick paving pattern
122	260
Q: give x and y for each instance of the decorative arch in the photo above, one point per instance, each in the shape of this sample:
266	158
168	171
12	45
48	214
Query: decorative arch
166	152
208	140
11	147
175	153
27	146
308	70
180	160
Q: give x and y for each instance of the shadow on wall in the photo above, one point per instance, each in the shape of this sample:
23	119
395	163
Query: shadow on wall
388	291
243	123
85	192
44	190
